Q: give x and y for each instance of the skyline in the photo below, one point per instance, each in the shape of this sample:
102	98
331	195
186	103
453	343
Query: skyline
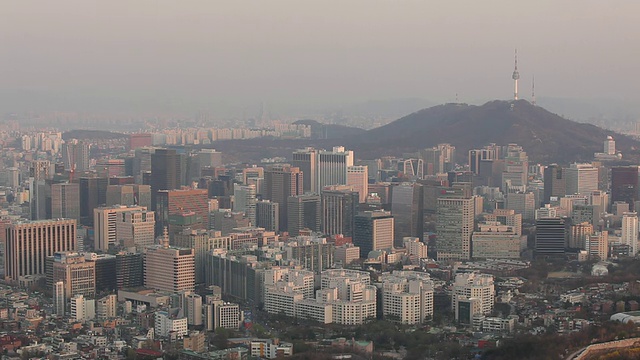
235	55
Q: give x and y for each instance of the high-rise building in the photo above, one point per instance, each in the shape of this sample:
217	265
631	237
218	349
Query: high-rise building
177	202
136	228
597	245
280	182
332	166
358	179
473	286
75	155
129	195
307	161
578	235
374	230
305	212
93	194
28	244
169	268
630	231
194	309
209	158
624	184
39	173
407	207
82	309
129	270
65	201
339	209
550	237
516	167
245	201
407	297
433	161
581	179
268	215
105	222
454	226
202	242
554	183
106	271
106	307
172	322
496	241
166	166
78	275
506	217
523	203
59	300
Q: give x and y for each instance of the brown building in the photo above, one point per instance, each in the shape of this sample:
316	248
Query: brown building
177	202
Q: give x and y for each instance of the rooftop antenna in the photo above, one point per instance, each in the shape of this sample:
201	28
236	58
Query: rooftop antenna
515	77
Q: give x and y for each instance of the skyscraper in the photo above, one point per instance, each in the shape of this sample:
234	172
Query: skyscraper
630	232
245	201
105	225
78	275
128	195
268	215
307	161
59	301
136	228
75	155
407	208
358	179
339	209
582	179
554	183
65	201
28	244
374	230
332	166
166	172
39	173
177	202
93	194
624	184
280	183
129	270
454	226
169	268
516	167
305	212
550	237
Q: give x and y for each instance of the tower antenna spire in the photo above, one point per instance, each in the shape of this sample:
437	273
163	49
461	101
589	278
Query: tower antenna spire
533	90
515	77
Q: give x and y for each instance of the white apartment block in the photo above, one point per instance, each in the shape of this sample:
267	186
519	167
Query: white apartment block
166	323
407	297
474	286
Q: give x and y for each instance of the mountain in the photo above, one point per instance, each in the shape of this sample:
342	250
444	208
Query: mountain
546	137
329	131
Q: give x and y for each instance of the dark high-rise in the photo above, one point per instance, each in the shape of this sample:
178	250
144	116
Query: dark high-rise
550	237
304	213
624	184
339	210
129	270
106	271
407	208
554	183
165	171
280	182
93	194
373	231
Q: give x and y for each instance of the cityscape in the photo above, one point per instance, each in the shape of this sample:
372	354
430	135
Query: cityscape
458	229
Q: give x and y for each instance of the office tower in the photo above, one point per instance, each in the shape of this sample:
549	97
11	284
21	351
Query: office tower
312	253
177	202
584	213
65	201
82	309
454	226
136	228
106	307
75	155
59	300
129	195
610	146
169	268
93	194
624	184
220	314
307	161
129	270
166	172
374	230
339	209
550	237
597	245
305	212
194	309
105	222
581	179
268	215
39	173
516	167
474	286
106	271
245	201
280	182
224	220
489	152
522	203
202	242
506	217
209	158
554	183
332	166
448	152
407	297
358	179
433	161
496	241
78	275
28	244
142	162
630	231
407	208
251	174
578	235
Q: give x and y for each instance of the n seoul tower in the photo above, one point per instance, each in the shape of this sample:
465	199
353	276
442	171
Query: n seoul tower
515	77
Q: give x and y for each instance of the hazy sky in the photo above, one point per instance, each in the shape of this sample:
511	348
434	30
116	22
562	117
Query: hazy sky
308	51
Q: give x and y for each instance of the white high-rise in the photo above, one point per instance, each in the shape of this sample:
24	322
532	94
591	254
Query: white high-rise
581	179
332	166
407	297
59	300
630	231
474	286
105	220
